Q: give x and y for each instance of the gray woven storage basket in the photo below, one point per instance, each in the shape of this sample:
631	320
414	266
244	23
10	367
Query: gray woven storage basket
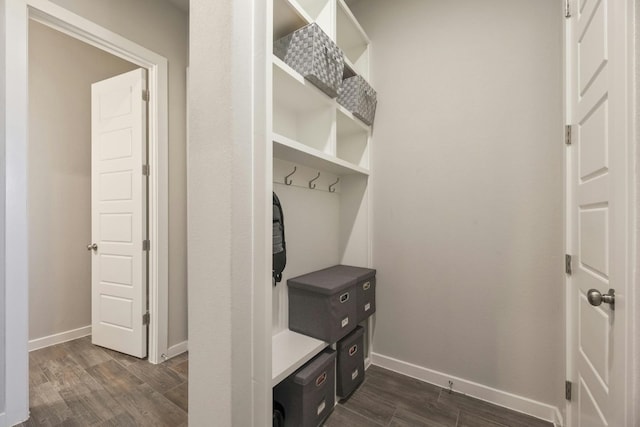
313	54
357	96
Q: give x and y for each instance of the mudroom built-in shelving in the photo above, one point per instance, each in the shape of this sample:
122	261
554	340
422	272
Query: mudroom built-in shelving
322	151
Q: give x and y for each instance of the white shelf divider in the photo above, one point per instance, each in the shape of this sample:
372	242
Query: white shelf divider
291	350
354	22
292	151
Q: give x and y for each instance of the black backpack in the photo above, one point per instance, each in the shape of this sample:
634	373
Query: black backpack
279	244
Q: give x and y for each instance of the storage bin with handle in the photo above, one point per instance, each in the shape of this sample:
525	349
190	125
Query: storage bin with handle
322	304
357	96
312	53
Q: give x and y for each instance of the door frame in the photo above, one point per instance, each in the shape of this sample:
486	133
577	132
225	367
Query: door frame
631	322
16	15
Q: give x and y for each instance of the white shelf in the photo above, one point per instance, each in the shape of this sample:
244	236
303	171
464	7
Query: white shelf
291	350
352	139
357	123
301	111
292	151
296	92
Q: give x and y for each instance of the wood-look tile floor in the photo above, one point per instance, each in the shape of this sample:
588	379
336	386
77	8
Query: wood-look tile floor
390	399
79	384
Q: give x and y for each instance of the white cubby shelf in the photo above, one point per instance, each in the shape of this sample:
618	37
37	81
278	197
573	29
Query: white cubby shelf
295	152
313	134
290	351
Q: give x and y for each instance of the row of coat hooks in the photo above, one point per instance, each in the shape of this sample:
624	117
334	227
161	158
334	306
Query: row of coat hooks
312	185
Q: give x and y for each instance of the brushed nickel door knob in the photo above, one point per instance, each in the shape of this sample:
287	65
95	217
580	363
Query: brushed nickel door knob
595	298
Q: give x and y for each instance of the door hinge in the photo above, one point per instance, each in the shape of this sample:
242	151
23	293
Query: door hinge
567	390
567	9
567	134
146	318
567	264
146	245
146	170
145	95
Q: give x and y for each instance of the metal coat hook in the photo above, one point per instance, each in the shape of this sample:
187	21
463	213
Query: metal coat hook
290	181
332	186
311	185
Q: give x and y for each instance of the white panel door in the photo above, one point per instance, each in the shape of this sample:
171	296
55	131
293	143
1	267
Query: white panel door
118	213
598	213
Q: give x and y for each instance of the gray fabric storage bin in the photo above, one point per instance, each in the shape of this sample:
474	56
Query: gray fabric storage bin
350	367
307	395
322	304
357	96
312	53
365	289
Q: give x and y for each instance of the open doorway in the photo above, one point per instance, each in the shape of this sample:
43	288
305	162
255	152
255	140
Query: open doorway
18	14
61	73
90	47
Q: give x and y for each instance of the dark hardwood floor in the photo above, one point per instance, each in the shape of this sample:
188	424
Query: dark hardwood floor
390	399
79	384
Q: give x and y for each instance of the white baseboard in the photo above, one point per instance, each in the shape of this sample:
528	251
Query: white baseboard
177	349
54	339
479	391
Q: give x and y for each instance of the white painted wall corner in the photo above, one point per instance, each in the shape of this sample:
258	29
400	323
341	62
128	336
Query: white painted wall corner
497	397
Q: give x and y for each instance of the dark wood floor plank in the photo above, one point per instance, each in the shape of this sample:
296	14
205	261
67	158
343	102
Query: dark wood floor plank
471	420
177	360
47	407
65	373
490	412
114	377
406	418
36	376
180	396
123	359
342	417
366	401
79	384
85	353
160	377
414	403
181	369
401	390
47	354
429	414
122	419
150	408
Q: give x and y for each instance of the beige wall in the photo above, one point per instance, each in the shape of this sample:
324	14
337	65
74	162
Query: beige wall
468	192
61	71
161	27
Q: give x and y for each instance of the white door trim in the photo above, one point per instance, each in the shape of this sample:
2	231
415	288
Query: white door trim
16	15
